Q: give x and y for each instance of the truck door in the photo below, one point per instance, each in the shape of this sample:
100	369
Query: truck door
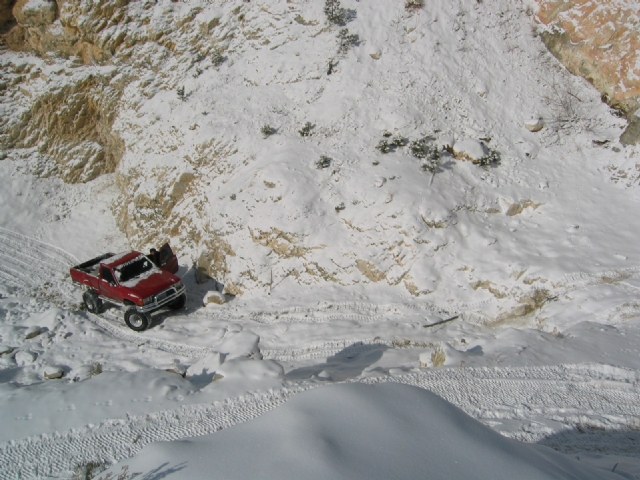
168	261
108	285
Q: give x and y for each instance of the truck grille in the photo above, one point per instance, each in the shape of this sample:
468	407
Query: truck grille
162	295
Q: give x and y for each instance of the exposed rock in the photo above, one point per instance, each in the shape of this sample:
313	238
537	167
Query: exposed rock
213	297
370	271
231	288
92	30
35	13
468	149
514	210
284	244
631	135
599	40
213	264
5	349
534	125
177	369
32	332
517	207
53	372
72	125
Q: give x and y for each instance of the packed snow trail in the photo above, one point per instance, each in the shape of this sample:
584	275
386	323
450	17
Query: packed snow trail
603	400
42	269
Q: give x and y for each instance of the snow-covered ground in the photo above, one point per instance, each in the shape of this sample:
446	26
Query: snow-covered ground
511	292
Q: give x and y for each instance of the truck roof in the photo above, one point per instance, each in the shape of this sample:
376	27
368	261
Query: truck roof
120	258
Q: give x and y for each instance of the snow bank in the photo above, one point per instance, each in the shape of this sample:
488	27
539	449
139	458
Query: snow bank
358	431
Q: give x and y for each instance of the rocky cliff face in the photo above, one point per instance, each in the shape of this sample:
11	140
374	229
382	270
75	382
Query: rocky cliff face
599	40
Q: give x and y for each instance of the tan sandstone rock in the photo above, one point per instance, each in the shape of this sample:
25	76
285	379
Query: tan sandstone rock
599	40
35	13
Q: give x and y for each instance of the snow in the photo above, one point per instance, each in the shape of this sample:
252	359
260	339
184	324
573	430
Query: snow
359	431
363	334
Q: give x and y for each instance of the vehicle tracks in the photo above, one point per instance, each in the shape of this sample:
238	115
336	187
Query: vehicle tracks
605	398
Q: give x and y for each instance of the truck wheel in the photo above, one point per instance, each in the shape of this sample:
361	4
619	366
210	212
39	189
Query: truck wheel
92	301
178	303
136	320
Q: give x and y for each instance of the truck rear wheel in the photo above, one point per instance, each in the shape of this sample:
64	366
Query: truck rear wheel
178	303
92	301
136	320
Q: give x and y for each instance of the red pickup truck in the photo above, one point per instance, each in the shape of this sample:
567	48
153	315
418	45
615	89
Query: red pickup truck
131	280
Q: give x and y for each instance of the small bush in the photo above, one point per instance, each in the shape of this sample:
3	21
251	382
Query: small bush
330	67
87	471
438	357
181	95
423	148
323	162
334	12
431	165
305	131
267	130
217	58
413	4
491	158
399	141
383	146
340	207
346	40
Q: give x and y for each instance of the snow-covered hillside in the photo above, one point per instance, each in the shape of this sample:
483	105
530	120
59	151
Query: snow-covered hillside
427	197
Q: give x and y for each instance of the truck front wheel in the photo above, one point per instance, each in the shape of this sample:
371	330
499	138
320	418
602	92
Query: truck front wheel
136	320
92	301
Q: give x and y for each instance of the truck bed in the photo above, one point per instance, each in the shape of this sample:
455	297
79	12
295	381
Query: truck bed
90	267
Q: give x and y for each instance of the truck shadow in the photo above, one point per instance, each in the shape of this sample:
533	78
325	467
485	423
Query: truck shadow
349	362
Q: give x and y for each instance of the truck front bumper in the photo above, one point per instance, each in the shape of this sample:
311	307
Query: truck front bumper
163	298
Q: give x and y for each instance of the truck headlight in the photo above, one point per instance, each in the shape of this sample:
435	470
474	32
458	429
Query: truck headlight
148	300
179	285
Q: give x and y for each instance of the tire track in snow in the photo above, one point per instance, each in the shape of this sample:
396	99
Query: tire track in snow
15	247
606	398
30	264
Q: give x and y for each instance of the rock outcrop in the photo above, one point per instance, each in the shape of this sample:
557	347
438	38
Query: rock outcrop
600	41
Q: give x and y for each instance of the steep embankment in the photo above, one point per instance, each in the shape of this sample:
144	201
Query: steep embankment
174	98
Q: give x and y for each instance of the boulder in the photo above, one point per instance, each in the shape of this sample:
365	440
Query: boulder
5	349
213	297
32	332
52	372
35	13
598	41
534	125
468	149
631	135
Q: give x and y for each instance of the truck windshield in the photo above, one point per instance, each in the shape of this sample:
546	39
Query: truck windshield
133	268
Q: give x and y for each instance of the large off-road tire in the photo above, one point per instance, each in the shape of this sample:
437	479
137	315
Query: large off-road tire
92	301
178	303
136	320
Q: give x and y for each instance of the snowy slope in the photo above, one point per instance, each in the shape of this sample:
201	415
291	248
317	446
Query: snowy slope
510	291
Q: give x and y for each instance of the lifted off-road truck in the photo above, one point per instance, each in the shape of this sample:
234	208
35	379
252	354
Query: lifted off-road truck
131	280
